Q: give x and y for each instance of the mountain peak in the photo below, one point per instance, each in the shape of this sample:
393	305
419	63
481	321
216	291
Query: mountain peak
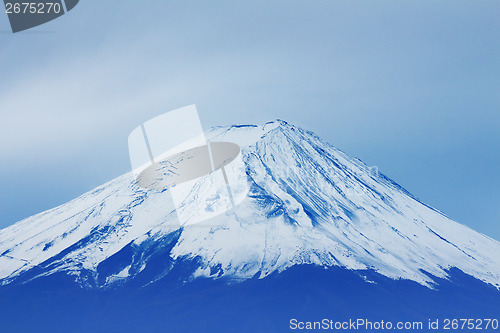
309	203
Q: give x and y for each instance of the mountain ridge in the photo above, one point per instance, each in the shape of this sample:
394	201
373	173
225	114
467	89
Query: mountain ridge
309	203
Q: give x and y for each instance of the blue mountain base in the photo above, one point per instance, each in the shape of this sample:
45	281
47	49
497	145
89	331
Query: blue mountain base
306	293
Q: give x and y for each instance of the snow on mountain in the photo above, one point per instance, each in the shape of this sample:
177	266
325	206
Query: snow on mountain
309	203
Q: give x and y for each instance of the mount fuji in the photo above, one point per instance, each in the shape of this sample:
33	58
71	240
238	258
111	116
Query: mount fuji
320	235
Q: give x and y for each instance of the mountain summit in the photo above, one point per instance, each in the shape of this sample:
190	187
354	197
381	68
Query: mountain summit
309	204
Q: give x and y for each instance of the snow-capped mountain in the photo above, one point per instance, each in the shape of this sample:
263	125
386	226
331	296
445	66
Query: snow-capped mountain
309	203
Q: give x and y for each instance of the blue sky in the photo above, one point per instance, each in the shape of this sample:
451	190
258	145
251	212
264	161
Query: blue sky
409	86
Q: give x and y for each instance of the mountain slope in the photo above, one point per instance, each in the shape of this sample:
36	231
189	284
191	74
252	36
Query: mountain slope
309	203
